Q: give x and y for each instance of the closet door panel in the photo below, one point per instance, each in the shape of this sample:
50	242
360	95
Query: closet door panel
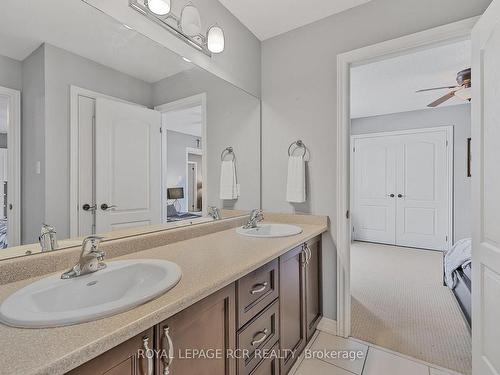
422	209
374	189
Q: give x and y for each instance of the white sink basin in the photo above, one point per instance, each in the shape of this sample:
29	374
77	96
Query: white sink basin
271	230
122	285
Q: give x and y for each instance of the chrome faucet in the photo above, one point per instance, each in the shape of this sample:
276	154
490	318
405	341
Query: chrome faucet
256	216
91	259
214	212
48	239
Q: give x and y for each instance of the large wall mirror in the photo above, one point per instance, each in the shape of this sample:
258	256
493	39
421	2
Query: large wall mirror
104	131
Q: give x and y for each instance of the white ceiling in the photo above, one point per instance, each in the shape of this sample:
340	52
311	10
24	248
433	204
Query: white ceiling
270	18
4	102
187	121
77	27
390	86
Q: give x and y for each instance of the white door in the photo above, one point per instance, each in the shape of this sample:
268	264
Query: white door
402	188
423	190
128	166
374	184
486	193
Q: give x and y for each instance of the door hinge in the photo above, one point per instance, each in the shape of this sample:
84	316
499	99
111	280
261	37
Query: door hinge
354	149
353	229
161	129
447	143
446	238
347	214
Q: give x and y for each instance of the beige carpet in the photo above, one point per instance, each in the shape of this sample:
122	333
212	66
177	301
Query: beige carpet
399	302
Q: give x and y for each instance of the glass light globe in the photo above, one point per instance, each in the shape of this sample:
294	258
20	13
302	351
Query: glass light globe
159	7
215	39
190	20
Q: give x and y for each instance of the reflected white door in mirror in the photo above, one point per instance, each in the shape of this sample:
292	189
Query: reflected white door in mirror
117	165
10	159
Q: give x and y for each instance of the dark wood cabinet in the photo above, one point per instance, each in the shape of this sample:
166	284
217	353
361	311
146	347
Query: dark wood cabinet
198	339
293	335
313	269
128	358
277	306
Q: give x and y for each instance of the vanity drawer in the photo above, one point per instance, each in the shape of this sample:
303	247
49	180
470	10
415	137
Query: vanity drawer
269	365
260	334
255	291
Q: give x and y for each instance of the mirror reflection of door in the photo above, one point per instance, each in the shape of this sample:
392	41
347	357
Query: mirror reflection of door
10	232
183	124
118	185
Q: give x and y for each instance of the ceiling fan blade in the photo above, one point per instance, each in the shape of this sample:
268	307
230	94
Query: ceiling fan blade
438	88
442	99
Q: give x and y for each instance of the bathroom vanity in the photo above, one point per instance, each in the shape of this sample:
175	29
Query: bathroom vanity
236	292
277	306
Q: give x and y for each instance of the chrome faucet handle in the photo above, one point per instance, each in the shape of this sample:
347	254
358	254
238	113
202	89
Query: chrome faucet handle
48	238
256	216
214	212
90	246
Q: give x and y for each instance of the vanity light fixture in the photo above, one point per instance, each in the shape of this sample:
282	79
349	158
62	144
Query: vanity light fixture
158	7
187	26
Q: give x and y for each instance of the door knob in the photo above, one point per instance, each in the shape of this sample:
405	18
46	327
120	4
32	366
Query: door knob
105	206
400	195
88	207
391	195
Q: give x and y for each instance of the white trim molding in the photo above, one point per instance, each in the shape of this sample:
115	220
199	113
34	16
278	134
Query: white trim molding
456	31
14	165
328	326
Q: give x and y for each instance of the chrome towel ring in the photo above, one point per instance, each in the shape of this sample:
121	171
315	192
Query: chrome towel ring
297	144
227	151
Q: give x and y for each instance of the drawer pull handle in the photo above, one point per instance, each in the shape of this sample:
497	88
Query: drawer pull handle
168	351
259	288
258	341
148	355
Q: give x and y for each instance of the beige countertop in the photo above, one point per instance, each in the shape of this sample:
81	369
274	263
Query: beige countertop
208	263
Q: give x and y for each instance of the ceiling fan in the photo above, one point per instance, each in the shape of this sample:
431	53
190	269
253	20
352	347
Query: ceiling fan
461	90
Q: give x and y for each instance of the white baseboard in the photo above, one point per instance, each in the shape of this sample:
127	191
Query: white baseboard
328	326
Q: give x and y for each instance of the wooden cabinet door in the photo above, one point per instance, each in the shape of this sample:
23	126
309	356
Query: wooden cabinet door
199	339
314	310
128	358
292	306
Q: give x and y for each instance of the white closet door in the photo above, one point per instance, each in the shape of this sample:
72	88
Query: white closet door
423	186
374	180
486	193
128	166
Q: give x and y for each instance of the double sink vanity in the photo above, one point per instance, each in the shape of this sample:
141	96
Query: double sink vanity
221	299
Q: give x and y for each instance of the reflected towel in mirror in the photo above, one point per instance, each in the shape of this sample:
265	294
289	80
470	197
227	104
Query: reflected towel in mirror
228	183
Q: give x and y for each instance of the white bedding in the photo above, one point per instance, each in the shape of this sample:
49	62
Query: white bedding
458	256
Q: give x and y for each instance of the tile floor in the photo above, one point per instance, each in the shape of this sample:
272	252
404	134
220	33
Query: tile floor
373	361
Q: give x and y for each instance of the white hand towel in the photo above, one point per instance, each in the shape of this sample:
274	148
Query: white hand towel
228	184
296	181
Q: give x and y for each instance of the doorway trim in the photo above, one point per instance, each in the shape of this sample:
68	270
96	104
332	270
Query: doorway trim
453	32
449	130
199	152
187	102
14	165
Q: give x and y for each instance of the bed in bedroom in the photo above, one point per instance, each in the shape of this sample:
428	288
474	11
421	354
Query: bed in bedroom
457	274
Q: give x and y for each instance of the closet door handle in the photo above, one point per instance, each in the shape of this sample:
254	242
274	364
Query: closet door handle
391	195
400	195
106	207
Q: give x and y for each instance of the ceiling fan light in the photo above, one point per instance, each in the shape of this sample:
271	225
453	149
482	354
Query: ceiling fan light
215	39
158	7
464	94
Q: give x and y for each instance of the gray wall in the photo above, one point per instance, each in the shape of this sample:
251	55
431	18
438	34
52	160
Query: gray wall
459	117
233	119
63	69
299	78
176	161
33	149
10	73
